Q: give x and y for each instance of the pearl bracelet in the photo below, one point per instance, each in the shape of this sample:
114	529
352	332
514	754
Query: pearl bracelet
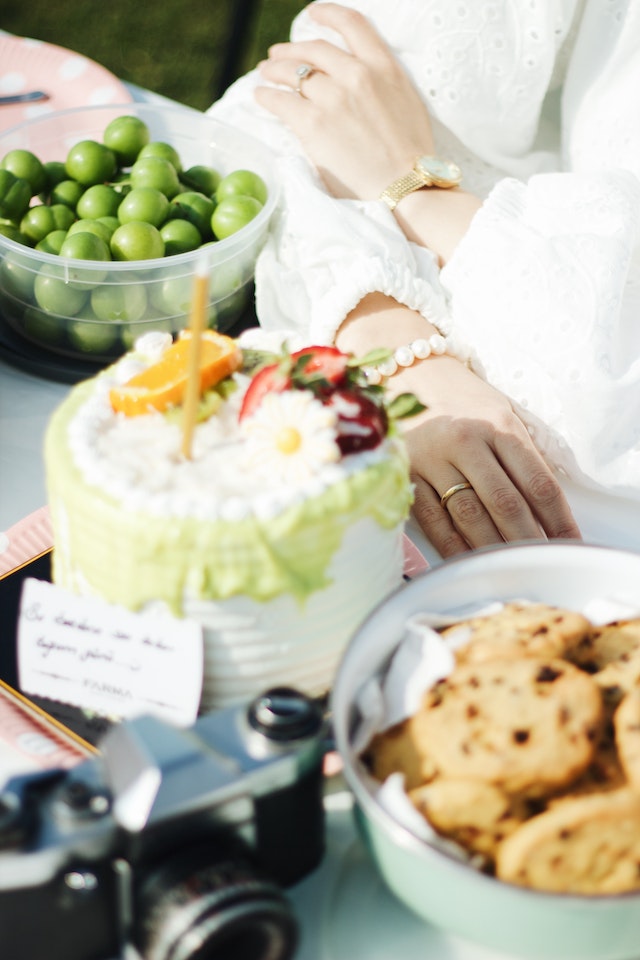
406	356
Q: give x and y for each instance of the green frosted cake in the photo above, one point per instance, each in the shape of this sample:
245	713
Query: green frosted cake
278	532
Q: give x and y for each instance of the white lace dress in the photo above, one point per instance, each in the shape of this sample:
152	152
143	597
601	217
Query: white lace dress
539	103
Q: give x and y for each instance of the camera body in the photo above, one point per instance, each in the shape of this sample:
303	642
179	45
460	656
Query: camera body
171	843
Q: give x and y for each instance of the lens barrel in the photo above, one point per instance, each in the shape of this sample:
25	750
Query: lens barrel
221	911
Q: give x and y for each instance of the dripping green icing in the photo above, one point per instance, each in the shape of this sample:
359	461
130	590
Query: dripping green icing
132	558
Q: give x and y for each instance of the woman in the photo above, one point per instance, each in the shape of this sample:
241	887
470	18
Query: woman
529	268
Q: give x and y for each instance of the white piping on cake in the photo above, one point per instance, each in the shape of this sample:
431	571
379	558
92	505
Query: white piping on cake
137	461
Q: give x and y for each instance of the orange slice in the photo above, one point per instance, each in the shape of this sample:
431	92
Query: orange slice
163	384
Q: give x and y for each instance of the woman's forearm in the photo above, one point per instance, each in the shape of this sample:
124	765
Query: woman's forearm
380	321
437	219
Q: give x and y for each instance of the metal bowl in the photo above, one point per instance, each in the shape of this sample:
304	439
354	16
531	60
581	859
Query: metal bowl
443	890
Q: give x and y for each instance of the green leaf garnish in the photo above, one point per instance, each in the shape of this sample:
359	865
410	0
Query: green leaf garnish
209	404
254	360
404	405
371	359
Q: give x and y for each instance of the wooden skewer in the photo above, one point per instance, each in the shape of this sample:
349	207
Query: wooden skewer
197	324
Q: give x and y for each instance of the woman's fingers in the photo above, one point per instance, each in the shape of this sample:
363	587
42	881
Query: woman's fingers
459	514
436	523
319	54
288	73
513	495
538	485
360	36
460	523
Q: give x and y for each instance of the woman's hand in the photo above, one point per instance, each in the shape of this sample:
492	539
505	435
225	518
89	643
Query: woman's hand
469	433
358	116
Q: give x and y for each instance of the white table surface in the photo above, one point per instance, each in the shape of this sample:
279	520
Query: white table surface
346	912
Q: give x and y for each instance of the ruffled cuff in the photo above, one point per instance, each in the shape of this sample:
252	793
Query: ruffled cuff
324	255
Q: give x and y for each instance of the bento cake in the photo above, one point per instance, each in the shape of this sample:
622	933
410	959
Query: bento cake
278	531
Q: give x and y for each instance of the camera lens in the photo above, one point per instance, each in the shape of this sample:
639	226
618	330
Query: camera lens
220	911
283	713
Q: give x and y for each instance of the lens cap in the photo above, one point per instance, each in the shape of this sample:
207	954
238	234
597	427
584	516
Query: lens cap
283	713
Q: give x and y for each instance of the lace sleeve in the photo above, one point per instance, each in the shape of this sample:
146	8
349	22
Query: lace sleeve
546	289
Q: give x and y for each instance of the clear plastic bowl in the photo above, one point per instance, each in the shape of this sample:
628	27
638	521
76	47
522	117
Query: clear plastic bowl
165	284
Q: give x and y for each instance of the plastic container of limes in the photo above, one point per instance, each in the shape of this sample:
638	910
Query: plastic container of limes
94	310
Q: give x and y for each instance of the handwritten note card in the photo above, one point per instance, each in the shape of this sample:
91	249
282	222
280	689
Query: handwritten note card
83	651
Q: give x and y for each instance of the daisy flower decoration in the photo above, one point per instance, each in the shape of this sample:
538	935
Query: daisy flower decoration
292	436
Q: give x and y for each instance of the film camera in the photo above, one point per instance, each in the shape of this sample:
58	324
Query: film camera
170	844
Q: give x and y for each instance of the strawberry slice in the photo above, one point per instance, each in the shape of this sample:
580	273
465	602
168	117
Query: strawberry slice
312	368
324	363
271	379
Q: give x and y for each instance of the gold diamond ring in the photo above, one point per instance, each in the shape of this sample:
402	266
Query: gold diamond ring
303	72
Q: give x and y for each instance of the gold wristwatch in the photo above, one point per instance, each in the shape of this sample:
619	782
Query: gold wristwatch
427	172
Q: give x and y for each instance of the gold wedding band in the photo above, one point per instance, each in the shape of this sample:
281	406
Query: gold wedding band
456	488
303	72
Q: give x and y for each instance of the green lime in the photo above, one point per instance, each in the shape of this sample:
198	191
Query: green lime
144	203
155	172
232	214
195	207
157	148
85	246
225	279
10	230
52	242
243	183
26	166
54	172
111	222
42	326
79	248
172	297
126	136
119	301
63	217
100	200
201	178
54	295
37	222
90	162
15	196
101	230
179	236
67	192
16	279
137	240
93	336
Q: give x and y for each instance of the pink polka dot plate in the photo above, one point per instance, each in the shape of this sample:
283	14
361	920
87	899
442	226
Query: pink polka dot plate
70	79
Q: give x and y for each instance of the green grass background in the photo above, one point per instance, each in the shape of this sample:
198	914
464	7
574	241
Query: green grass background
178	48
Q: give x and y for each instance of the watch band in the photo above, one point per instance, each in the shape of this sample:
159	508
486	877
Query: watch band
402	186
444	176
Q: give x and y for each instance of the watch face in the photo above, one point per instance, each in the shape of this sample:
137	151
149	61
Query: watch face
442	173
